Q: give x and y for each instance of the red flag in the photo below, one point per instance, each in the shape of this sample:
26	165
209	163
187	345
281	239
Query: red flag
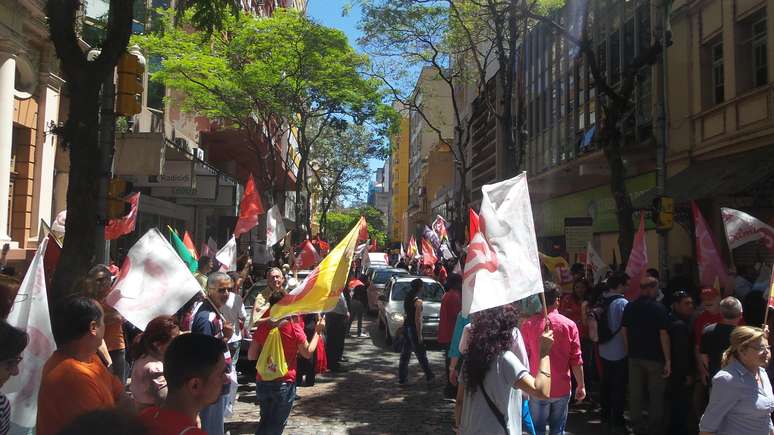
638	262
249	209
473	216
125	225
189	244
711	267
308	257
428	253
413	250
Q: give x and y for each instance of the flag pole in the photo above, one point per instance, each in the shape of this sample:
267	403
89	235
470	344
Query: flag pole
543	300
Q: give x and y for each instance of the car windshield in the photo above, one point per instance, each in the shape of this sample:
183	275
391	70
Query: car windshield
431	292
382	276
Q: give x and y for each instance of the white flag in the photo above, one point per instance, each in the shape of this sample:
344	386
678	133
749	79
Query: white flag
30	313
153	281
742	228
502	264
597	264
275	226
446	252
227	256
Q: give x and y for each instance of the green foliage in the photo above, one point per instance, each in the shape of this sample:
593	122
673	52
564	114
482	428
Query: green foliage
341	222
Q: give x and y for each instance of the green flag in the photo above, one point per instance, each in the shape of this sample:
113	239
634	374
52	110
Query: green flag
182	251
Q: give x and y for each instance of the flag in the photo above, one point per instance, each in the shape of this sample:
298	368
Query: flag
742	228
275	226
439	226
227	256
446	253
189	244
502	264
771	290
457	268
182	250
473	216
320	291
711	267
559	268
116	228
324	246
595	262
30	313
154	281
638	262
402	252
413	249
428	253
249	208
308	257
432	237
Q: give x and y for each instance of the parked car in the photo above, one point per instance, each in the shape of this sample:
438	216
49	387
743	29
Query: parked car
374	259
377	280
391	312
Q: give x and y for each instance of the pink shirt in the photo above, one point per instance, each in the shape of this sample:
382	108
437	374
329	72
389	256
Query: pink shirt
565	352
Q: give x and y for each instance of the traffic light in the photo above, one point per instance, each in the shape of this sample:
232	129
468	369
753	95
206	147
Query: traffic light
131	67
663	212
116	206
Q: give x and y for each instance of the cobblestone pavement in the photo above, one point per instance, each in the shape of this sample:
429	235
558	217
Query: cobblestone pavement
367	398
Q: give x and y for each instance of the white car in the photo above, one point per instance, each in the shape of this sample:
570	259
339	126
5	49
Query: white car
391	312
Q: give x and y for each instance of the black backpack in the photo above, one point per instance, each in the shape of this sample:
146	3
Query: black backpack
600	312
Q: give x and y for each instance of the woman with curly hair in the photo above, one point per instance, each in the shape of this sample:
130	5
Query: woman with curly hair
494	377
149	387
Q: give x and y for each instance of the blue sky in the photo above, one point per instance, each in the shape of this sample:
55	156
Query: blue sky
328	12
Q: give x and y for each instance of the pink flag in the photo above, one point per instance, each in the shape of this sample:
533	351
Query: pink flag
711	267
638	262
125	225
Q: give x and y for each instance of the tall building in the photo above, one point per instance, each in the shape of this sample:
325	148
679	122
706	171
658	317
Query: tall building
431	163
400	178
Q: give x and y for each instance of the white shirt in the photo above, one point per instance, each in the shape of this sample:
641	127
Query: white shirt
233	311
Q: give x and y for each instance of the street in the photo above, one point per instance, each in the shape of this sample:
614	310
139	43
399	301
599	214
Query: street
367	399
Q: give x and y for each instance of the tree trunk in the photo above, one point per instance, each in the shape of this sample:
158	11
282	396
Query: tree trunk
611	145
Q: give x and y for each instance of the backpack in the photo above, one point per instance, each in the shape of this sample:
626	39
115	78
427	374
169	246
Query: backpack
600	314
271	363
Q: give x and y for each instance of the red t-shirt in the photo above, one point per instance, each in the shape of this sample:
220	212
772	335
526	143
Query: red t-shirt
451	304
168	422
291	334
570	307
704	319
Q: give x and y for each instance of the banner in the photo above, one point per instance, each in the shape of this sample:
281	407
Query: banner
249	208
227	256
502	264
320	291
116	228
638	262
742	228
432	237
595	263
439	227
154	281
559	268
30	313
711	267
275	226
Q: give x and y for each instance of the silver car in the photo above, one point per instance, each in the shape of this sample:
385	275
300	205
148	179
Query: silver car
391	312
377	281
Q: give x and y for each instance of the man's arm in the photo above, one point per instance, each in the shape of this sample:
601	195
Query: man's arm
580	392
667	350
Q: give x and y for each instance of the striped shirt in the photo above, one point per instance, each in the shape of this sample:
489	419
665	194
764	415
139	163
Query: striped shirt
5	415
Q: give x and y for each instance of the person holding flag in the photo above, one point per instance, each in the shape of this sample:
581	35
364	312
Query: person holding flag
12	343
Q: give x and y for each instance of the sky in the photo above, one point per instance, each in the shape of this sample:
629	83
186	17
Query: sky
328	13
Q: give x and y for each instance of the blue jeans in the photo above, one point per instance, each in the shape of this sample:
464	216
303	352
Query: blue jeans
212	416
526	418
276	401
551	412
411	344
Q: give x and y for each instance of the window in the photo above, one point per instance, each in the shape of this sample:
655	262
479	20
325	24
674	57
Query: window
718	87
760	69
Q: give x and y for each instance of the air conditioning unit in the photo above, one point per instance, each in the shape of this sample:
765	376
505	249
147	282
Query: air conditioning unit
199	153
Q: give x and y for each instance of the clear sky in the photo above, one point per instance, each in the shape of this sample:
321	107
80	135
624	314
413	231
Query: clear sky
329	13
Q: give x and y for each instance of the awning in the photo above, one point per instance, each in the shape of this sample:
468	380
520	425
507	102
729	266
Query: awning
717	177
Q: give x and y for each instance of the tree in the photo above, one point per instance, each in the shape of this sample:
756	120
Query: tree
340	222
80	133
616	102
460	41
339	163
223	76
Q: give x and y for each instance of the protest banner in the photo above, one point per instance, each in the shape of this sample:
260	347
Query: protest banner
741	228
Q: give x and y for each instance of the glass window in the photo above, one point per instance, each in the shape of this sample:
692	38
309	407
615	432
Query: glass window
431	292
760	67
718	87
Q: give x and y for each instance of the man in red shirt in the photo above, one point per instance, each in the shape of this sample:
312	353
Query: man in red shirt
710	302
195	371
451	304
276	396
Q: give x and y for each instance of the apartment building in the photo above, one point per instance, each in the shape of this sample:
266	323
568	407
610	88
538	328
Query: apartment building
399	179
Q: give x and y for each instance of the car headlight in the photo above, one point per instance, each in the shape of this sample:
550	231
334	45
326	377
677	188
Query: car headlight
396	317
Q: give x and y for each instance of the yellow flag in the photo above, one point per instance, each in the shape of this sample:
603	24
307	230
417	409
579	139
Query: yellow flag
321	289
559	268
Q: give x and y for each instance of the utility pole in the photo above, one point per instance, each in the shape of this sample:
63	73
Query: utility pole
661	148
107	123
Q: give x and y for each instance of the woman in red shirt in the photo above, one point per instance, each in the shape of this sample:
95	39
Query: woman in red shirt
276	397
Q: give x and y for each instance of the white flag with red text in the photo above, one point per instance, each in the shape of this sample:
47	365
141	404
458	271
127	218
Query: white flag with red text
30	313
227	256
742	228
275	226
502	264
153	281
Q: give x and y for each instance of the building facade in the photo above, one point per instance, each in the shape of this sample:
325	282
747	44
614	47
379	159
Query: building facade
399	180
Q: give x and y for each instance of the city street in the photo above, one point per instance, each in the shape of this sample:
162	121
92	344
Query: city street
367	399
